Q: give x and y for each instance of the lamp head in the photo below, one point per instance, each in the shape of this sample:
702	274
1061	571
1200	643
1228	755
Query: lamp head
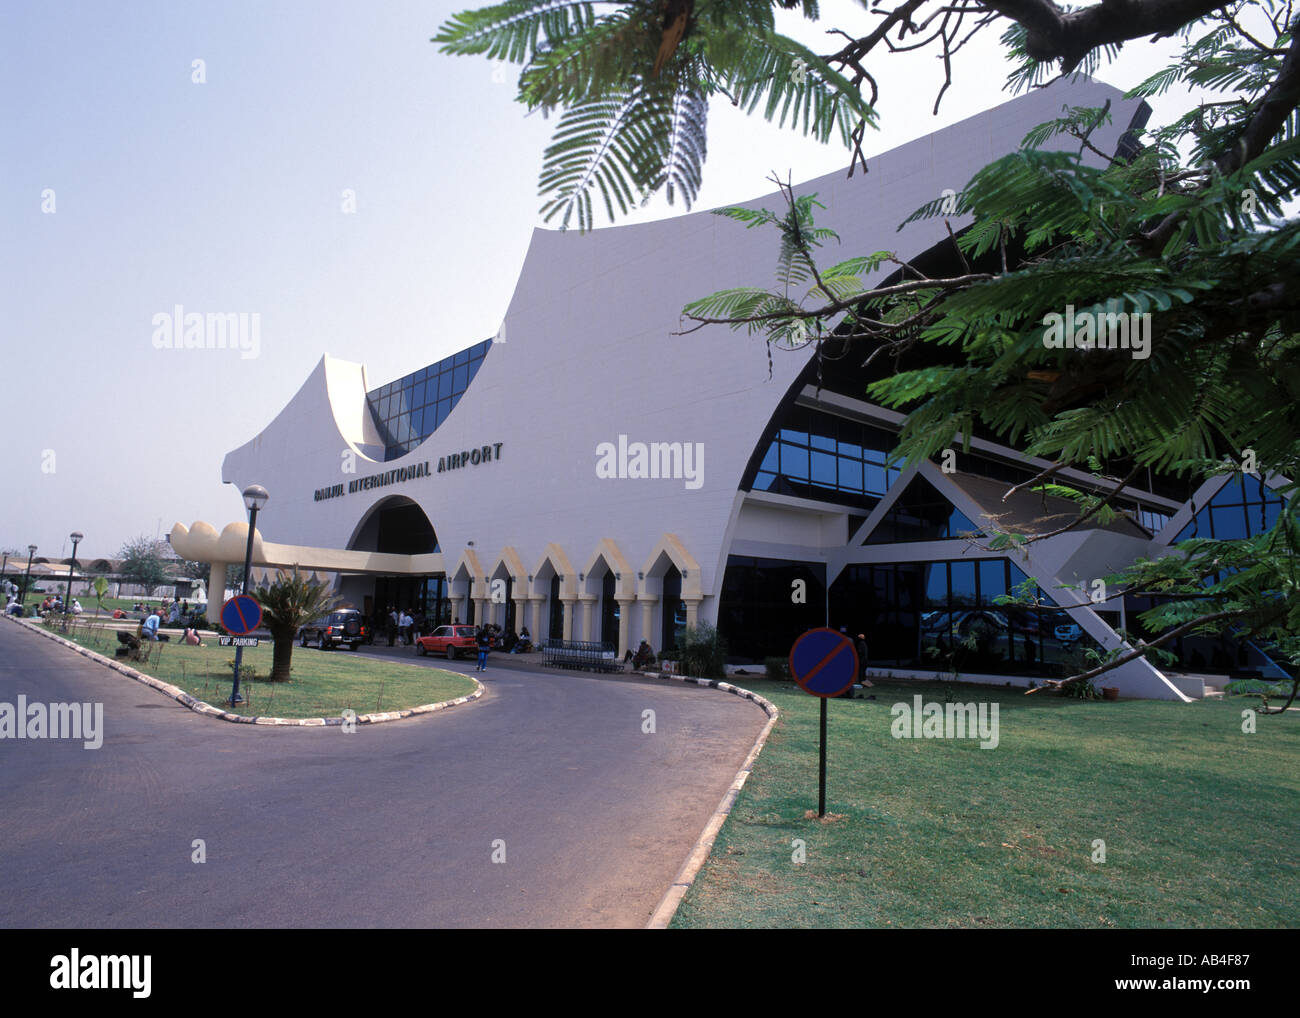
255	496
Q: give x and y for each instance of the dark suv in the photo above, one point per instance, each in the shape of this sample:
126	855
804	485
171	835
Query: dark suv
344	626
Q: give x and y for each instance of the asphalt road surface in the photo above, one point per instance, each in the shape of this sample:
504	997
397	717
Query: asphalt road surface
393	826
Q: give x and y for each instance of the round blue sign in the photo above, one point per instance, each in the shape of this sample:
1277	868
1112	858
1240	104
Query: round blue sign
241	615
824	662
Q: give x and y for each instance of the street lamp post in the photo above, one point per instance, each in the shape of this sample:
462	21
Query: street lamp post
31	550
255	496
76	536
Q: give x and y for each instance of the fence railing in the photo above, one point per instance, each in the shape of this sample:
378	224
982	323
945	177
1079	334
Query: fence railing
587	654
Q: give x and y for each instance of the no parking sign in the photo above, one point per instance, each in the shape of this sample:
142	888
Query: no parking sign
241	615
824	663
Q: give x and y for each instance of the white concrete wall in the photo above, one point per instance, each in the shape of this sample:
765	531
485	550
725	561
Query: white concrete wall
590	353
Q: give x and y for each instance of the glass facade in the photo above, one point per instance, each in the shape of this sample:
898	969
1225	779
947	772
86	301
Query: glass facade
920	513
944	615
1243	507
813	454
759	614
410	409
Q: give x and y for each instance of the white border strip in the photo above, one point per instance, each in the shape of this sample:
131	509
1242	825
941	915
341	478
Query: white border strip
668	905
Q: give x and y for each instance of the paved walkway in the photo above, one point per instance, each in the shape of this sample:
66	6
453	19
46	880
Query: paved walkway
391	826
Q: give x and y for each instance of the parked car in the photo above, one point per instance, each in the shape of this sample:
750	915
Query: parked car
344	627
1068	632
449	640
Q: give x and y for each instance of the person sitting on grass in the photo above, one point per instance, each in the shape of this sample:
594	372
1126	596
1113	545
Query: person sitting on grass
192	638
149	627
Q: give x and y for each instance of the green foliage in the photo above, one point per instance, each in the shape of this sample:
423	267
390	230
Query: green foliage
143	563
1258	688
777	668
291	600
1083	690
287	604
100	587
702	652
247	673
635	107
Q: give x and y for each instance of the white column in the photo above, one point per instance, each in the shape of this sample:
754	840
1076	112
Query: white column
216	591
625	625
647	602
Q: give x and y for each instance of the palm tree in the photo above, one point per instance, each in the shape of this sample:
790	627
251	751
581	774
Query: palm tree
100	586
635	83
287	604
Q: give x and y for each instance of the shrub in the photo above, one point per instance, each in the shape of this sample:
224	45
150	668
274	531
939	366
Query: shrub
1257	687
1084	690
247	673
702	652
777	668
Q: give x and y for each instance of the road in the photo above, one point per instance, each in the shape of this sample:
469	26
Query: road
393	826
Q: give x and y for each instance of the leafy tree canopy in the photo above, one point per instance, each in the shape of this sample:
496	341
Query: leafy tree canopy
144	562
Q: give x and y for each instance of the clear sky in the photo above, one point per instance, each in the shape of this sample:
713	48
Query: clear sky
228	196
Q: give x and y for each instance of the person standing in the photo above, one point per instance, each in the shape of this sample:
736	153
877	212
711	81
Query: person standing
484	645
393	621
404	623
860	645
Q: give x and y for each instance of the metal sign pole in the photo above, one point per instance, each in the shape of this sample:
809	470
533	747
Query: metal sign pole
825	664
821	777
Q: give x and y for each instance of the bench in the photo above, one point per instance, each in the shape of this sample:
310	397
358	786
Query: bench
589	655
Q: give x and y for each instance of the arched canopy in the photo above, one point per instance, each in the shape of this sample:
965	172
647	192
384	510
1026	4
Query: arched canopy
608	557
669	551
555	561
397	525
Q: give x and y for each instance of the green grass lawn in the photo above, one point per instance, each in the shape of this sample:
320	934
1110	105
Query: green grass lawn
1200	821
321	684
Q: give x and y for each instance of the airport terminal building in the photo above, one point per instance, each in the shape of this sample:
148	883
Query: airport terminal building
592	473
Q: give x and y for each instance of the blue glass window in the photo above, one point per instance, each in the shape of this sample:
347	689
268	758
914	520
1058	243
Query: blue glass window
963	583
794	462
936	584
823	469
876	480
993	581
